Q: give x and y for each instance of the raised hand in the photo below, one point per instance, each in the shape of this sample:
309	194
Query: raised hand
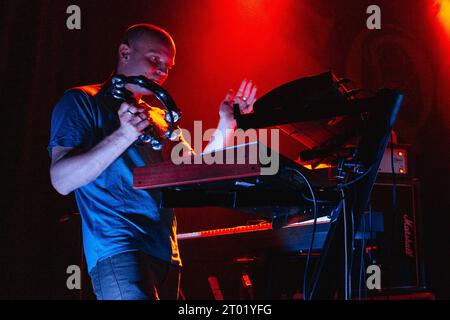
245	97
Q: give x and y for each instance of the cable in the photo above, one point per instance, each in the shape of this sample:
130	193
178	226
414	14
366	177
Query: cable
370	240
361	264
345	246
352	253
394	179
347	278
305	274
394	195
307	296
343	185
326	248
370	230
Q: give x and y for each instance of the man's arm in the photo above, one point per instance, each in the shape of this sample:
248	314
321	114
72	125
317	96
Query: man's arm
245	97
71	169
221	137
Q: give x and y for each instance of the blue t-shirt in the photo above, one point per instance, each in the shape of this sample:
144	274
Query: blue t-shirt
115	217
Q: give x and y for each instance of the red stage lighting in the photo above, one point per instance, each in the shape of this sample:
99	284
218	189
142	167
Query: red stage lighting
443	14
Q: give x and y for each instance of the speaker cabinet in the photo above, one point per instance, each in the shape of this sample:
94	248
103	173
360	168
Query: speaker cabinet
397	248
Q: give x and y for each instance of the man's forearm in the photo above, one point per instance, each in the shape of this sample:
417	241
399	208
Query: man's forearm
72	172
221	137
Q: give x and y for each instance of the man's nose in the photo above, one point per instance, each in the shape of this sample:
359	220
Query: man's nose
162	71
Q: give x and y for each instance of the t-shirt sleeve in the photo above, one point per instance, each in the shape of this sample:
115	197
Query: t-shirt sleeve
72	122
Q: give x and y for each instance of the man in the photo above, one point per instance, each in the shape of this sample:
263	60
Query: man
130	244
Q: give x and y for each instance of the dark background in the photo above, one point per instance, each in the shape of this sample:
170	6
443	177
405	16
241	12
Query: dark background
218	44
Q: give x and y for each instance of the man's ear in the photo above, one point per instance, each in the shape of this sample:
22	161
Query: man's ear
124	53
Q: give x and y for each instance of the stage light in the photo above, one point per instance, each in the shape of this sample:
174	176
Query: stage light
443	14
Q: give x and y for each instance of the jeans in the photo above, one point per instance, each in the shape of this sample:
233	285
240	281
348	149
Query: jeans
135	276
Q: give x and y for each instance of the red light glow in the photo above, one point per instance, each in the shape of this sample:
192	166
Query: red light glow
370	248
444	14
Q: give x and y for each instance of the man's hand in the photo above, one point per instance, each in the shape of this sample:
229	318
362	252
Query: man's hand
244	97
133	121
69	170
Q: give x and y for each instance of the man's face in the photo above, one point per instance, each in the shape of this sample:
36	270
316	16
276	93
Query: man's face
148	57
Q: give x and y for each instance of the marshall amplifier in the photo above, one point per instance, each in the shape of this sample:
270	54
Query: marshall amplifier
392	233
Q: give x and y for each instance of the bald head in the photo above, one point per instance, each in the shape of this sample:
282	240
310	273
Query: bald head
146	50
147	32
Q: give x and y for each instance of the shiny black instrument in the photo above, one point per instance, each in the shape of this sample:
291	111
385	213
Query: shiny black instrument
151	137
